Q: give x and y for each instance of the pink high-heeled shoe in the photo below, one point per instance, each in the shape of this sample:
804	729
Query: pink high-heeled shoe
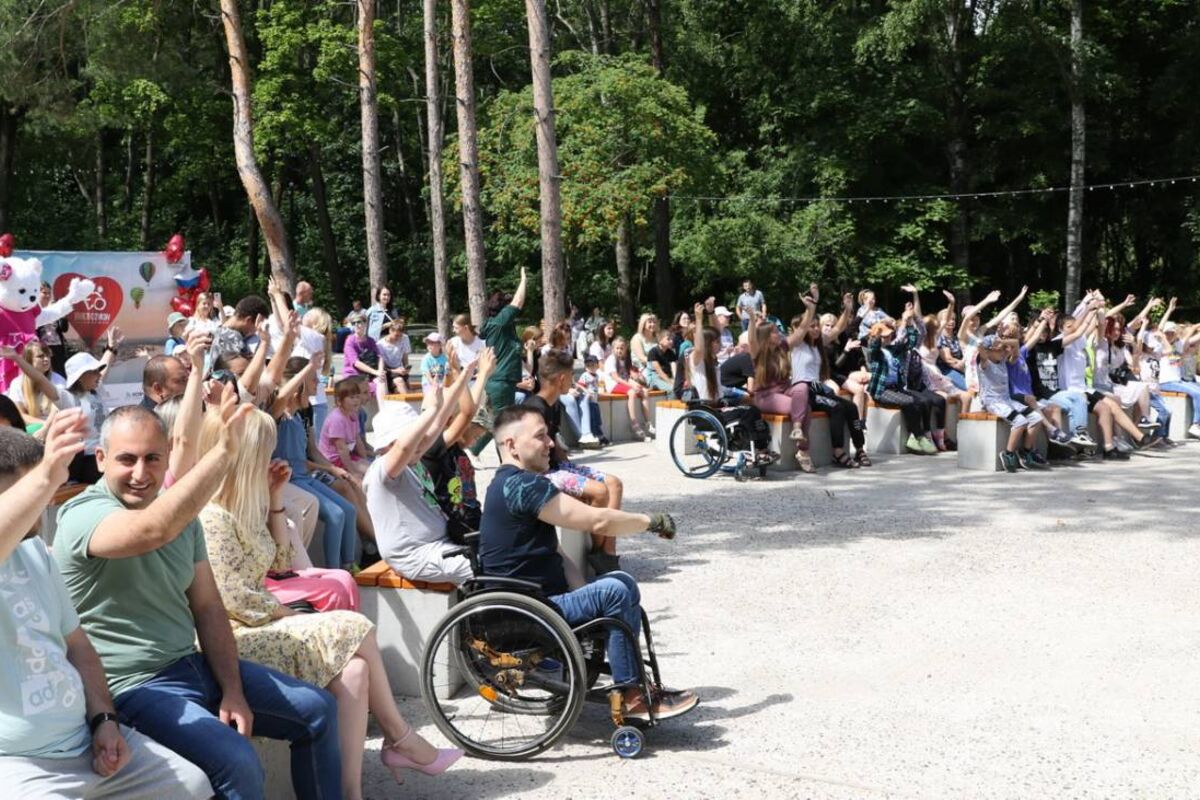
396	761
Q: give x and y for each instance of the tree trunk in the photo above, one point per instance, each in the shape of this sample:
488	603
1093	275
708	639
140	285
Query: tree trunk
553	289
328	243
409	216
468	156
9	120
437	200
127	185
148	186
259	194
624	274
664	282
251	243
101	194
1078	153
372	170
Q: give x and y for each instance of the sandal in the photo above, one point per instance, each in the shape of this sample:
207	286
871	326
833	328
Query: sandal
862	459
844	461
804	462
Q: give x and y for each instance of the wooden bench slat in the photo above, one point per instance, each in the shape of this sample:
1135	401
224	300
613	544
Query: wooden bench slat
369	576
66	492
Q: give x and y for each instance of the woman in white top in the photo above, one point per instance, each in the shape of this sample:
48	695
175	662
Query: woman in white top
621	378
807	344
84	374
465	345
37	391
643	340
601	346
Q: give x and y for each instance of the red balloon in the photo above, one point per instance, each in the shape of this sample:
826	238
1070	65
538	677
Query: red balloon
204	282
175	248
6	245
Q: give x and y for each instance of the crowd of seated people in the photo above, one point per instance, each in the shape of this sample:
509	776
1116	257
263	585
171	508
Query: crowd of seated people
185	611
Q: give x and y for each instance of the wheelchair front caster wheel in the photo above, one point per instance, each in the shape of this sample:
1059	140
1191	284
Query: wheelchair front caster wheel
628	741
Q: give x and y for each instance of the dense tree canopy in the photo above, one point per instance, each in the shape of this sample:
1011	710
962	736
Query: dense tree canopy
115	131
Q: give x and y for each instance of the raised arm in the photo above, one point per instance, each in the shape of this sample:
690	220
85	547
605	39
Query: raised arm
252	376
1085	326
113	339
41	383
128	532
1167	314
843	320
916	300
291	330
485	366
21	505
1119	307
810	311
518	299
970	312
185	436
1035	332
1144	314
1008	309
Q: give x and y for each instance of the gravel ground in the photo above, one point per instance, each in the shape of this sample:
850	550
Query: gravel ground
909	630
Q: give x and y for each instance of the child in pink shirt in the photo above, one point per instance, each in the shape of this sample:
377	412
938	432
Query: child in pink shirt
341	439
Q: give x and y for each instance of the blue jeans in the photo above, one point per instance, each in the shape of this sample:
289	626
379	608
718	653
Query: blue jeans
657	382
612	595
1190	389
1076	406
340	518
178	709
1164	414
580	412
957	378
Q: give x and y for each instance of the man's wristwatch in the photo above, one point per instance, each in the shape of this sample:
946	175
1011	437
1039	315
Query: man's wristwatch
100	719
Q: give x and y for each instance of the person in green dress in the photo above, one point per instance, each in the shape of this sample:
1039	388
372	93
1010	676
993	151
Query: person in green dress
500	333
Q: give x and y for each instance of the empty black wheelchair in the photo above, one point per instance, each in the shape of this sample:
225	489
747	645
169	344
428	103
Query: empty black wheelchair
505	677
711	438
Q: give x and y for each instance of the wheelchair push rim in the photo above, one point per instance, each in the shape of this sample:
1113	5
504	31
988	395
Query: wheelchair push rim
503	676
699	444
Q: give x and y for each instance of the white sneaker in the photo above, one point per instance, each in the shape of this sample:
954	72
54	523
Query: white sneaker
589	442
1194	431
650	430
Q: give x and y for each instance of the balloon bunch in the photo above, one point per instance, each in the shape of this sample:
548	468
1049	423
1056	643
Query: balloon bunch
174	251
188	284
6	245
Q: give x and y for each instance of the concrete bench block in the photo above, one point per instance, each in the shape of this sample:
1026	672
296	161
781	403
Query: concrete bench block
615	409
1180	406
981	438
665	417
404	621
275	755
575	546
886	431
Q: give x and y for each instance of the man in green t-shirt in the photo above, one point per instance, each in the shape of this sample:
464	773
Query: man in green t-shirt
59	735
135	564
500	333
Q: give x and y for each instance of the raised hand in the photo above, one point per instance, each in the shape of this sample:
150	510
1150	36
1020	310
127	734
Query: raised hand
272	285
66	432
278	474
908	287
949	295
814	291
848	301
992	296
233	416
1129	299
198	343
486	363
8	352
115	337
809	302
262	328
698	311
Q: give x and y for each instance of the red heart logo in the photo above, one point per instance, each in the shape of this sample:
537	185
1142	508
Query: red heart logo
92	317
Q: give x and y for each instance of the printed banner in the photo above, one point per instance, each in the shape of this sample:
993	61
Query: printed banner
133	292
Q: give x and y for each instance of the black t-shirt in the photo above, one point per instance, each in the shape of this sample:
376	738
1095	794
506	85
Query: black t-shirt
452	475
736	370
1043	367
664	358
513	542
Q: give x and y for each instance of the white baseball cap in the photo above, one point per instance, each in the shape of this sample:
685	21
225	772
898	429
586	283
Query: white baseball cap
721	311
81	363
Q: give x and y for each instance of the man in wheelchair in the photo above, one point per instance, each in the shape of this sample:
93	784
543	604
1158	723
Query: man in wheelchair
518	540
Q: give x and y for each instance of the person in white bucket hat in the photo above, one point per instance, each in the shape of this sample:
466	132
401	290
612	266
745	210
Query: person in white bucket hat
84	374
410	526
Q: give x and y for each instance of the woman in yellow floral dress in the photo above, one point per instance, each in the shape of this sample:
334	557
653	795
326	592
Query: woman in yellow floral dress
246	534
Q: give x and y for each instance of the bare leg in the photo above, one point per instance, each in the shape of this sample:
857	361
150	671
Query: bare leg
350	690
1030	437
383	706
1122	419
355	496
1014	439
1105	417
631	407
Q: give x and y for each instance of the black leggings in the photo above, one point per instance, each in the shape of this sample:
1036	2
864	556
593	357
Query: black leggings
922	410
842	413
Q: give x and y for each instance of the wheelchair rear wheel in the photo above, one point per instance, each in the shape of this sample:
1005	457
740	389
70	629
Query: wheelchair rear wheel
503	676
699	444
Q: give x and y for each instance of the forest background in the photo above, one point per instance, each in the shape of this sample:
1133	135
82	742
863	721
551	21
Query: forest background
700	142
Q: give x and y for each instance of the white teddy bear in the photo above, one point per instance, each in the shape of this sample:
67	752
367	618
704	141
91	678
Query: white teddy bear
20	314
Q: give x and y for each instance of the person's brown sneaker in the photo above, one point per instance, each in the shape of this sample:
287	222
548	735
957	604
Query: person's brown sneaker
667	703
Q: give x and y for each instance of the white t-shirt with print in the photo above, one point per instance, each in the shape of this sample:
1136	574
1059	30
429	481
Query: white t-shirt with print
465	353
1072	366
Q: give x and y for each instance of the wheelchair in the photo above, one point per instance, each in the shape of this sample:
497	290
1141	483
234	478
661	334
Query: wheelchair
711	438
505	677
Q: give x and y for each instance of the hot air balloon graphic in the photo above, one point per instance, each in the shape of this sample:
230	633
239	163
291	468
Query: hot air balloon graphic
137	293
146	270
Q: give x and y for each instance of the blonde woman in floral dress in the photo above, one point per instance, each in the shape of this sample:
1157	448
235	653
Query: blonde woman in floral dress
246	534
